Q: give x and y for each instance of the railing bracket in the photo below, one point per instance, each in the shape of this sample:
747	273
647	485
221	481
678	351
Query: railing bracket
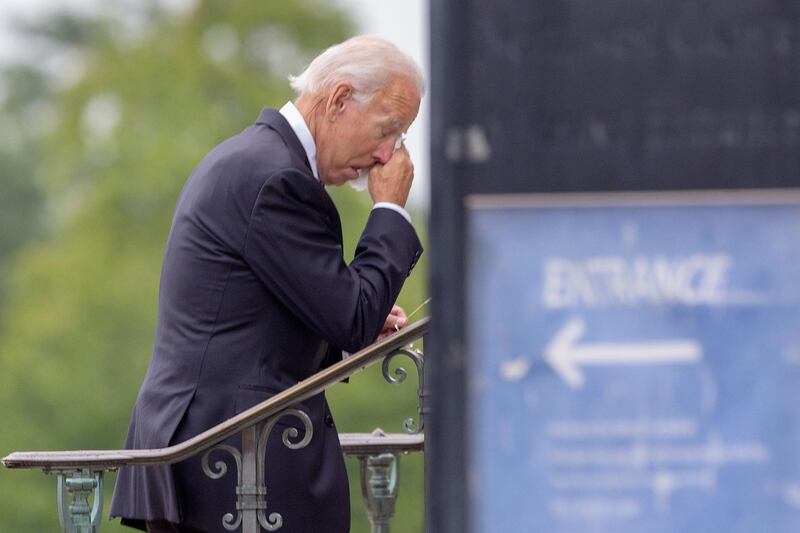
74	490
380	488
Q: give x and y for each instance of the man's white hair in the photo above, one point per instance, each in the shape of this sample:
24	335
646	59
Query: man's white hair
366	62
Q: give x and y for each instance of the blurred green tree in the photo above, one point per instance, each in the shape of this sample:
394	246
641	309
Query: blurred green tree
21	197
152	92
27	116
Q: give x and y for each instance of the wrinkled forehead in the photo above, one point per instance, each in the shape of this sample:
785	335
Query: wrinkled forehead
398	102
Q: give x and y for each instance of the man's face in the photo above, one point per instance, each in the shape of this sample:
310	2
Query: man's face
358	136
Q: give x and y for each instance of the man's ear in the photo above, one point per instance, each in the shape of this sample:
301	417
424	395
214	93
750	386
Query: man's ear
337	100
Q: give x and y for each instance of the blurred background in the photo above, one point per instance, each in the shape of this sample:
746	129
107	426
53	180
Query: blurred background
105	108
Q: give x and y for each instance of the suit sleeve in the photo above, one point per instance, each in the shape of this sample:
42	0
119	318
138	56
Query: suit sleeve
294	248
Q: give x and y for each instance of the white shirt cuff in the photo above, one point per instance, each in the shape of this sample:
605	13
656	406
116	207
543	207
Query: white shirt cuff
393	207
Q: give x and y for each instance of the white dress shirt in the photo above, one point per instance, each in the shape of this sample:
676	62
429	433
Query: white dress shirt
300	128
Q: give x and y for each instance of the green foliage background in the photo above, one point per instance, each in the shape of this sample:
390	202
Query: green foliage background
86	204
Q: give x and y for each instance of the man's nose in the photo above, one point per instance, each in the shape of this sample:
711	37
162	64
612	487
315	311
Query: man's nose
384	151
396	143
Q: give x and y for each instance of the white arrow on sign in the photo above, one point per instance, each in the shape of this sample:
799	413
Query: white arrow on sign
566	357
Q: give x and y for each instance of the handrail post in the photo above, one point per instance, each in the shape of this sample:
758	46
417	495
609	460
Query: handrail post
75	515
250	493
251	490
380	490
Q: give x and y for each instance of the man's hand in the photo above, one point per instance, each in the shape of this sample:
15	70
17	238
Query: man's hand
392	181
396	321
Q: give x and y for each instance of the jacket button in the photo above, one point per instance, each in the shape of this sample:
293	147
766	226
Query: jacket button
329	421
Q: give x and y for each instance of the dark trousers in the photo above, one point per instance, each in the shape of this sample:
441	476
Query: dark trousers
163	526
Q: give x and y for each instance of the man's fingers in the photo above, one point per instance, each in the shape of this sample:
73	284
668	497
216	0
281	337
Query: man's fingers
400	317
398	311
391	182
400	321
396	320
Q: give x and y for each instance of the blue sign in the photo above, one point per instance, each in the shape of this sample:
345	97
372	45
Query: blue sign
634	363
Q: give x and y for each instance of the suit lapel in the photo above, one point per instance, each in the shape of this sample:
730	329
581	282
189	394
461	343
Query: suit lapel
277	122
272	118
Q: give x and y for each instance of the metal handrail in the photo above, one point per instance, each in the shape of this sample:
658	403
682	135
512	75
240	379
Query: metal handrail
113	459
357	444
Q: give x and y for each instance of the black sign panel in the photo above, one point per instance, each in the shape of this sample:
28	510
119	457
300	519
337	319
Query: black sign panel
558	95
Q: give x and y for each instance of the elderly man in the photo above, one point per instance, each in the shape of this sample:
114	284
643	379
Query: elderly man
255	295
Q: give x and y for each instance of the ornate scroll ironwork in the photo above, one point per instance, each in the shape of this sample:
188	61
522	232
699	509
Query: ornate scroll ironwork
79	486
251	490
409	425
80	472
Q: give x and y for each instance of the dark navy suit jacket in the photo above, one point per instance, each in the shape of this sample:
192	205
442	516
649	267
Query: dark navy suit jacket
255	296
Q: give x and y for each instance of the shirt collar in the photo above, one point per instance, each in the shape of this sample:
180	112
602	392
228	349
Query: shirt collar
300	128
